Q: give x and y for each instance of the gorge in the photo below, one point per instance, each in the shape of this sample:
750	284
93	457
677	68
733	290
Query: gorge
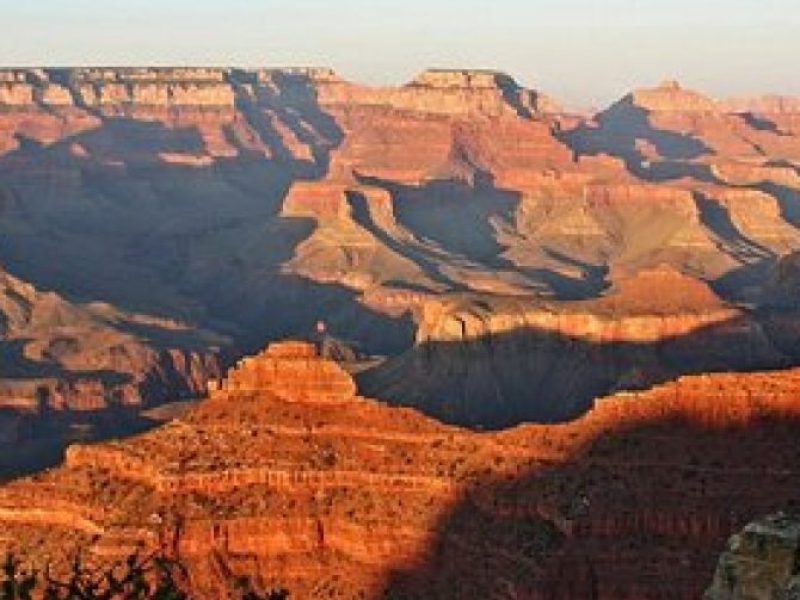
534	353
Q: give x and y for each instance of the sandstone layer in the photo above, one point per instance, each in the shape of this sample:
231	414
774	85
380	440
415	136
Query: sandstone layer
64	363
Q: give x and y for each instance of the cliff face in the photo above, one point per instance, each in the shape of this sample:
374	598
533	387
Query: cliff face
493	364
284	474
61	355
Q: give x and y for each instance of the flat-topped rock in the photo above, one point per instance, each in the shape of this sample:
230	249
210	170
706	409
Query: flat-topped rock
291	370
670	96
462	78
312	74
12	76
193	74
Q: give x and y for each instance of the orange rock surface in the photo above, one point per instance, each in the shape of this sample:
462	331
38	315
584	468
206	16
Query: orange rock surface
287	476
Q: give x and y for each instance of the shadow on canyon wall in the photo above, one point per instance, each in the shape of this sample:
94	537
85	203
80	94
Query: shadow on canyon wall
761	123
537	375
203	244
788	200
643	511
36	440
457	216
451	220
620	127
717	219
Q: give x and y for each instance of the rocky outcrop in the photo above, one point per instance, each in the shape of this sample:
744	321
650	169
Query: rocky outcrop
462	93
760	562
292	371
670	96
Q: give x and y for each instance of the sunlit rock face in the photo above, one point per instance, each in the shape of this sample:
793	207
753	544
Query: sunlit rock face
229	207
286	475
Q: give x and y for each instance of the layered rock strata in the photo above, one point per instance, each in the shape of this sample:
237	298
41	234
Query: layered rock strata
760	562
493	363
253	203
288	477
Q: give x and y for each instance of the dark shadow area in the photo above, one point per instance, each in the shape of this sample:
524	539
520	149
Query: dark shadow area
761	123
538	375
33	441
788	199
671	170
717	219
454	219
641	509
783	164
511	94
292	100
359	206
296	305
594	277
747	283
457	216
617	131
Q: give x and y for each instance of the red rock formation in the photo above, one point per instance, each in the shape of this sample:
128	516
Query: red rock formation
291	371
353	498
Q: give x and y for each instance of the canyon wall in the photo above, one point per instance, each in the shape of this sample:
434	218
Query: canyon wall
461	230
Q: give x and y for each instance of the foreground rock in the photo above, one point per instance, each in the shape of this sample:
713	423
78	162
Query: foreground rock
287	476
761	562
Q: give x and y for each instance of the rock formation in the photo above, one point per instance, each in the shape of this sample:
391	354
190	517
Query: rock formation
494	364
760	562
254	203
285	475
62	357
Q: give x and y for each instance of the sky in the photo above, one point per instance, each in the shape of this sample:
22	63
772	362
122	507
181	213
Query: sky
583	52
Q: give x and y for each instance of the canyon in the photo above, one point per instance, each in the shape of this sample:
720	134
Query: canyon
201	212
539	354
286	475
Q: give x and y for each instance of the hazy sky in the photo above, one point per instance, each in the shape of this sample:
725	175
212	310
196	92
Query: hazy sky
581	51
